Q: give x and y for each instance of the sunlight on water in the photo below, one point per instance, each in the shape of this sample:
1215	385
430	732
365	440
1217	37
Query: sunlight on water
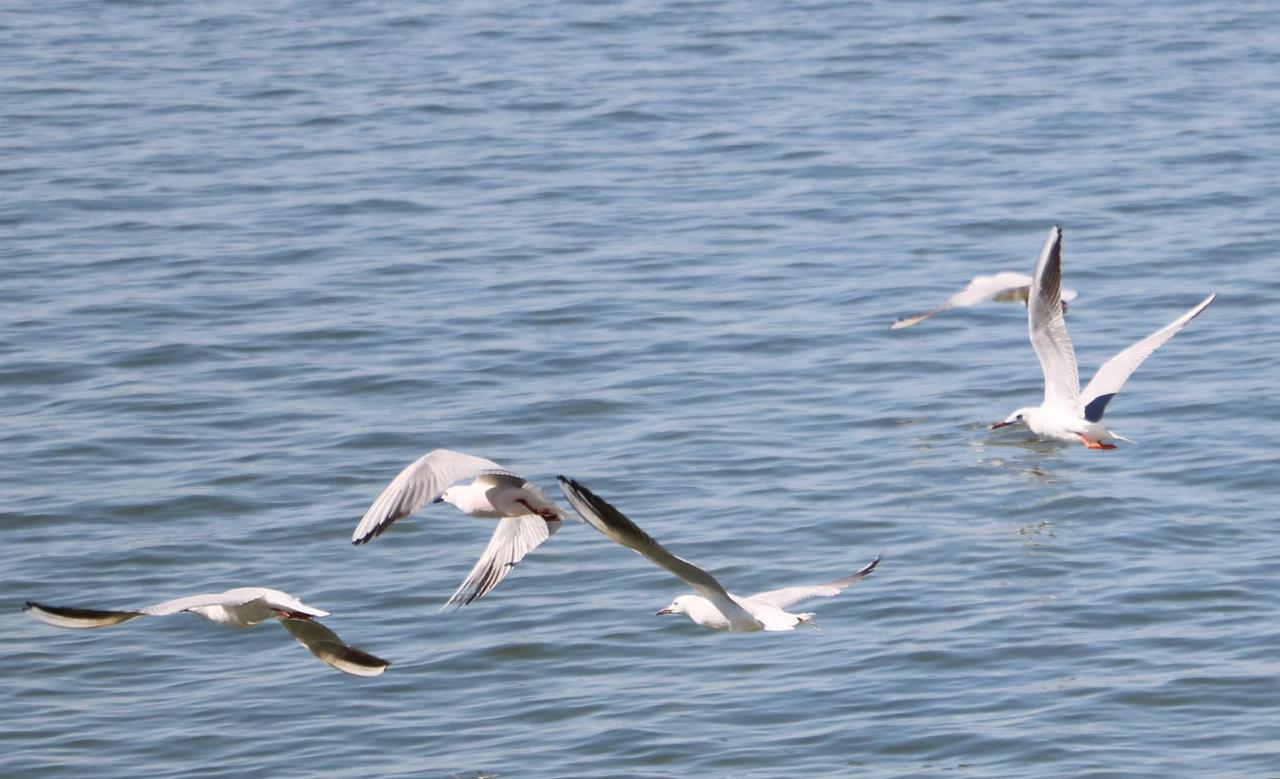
256	261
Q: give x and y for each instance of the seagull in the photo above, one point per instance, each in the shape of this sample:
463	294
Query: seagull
1004	287
241	607
1067	413
714	607
525	517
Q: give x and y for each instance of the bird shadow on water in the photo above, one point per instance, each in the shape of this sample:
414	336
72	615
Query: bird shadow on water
1038	533
1030	457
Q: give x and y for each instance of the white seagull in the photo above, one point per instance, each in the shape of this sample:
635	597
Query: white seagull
1067	413
526	517
1004	287
714	607
241	607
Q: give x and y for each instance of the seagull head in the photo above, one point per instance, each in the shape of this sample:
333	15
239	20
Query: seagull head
678	606
448	496
1020	417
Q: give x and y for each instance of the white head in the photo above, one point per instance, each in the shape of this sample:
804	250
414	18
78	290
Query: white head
449	496
1020	417
678	606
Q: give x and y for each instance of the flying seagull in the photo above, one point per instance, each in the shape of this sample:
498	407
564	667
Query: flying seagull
525	517
713	607
1067	413
1004	287
241	607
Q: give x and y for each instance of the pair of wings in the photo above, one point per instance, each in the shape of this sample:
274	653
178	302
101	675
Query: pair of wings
423	481
1048	331
1003	286
318	639
601	515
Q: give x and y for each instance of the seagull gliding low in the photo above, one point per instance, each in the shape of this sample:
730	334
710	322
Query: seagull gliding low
241	607
1067	413
714	607
1004	287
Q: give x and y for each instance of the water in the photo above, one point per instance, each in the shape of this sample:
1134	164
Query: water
256	258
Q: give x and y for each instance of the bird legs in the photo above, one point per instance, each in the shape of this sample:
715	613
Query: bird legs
548	514
1094	444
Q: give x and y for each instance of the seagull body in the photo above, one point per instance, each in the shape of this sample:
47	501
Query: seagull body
714	607
525	516
1003	287
1069	413
241	607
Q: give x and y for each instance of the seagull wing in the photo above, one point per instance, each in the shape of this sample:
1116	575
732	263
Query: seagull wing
619	529
66	617
1048	328
283	601
236	597
1115	372
72	617
332	650
979	290
790	596
514	538
984	288
418	484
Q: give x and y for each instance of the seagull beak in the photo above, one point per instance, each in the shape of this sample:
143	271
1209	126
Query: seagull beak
999	425
663	613
439	499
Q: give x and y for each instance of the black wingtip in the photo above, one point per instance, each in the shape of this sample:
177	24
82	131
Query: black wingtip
376	531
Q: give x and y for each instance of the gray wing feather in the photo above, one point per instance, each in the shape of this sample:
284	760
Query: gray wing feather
418	484
236	597
1048	328
621	530
1116	371
514	538
790	596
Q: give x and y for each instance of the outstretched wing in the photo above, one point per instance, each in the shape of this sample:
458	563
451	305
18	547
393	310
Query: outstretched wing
979	290
236	597
72	617
1115	372
514	538
332	650
790	596
621	530
418	484
1048	328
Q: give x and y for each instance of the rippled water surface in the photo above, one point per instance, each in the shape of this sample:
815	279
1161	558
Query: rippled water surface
257	257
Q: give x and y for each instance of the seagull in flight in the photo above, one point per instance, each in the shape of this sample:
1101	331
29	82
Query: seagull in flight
1004	287
1067	413
525	517
713	607
241	607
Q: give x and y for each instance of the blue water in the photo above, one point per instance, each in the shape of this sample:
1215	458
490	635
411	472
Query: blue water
258	257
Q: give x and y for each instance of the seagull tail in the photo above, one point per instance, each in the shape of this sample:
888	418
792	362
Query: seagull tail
1119	437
